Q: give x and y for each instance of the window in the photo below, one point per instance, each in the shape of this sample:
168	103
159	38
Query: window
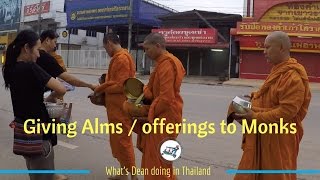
74	31
91	33
52	26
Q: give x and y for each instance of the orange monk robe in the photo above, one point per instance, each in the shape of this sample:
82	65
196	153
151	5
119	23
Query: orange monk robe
120	69
285	94
59	60
164	89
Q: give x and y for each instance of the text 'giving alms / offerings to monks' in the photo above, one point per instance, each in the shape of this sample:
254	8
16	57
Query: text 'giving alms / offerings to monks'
159	126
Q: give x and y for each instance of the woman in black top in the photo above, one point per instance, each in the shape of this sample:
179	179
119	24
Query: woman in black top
27	81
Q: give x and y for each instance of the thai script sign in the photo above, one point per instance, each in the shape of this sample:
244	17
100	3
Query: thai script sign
305	12
33	9
264	28
189	35
298	44
82	13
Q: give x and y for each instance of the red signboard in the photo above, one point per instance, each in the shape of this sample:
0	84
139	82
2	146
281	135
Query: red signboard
189	35
311	45
261	6
33	9
264	28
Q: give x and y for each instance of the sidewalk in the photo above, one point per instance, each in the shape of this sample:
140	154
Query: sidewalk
257	83
206	80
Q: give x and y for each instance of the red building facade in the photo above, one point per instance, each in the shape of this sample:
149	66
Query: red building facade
299	18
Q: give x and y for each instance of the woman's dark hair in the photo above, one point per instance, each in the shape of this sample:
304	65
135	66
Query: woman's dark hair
28	37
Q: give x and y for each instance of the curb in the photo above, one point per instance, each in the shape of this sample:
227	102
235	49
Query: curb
312	88
236	83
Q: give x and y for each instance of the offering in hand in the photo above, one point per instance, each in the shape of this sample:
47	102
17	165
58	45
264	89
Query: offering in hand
241	103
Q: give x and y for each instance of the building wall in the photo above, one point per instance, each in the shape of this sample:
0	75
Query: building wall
85	42
305	39
56	19
255	66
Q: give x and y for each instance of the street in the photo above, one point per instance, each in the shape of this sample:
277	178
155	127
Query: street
201	103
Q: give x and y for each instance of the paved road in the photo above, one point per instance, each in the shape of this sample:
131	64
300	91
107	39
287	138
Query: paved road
201	103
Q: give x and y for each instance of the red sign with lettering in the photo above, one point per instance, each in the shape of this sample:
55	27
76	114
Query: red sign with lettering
311	45
264	28
189	35
34	8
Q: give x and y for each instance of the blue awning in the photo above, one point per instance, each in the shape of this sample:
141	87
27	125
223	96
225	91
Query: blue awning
85	14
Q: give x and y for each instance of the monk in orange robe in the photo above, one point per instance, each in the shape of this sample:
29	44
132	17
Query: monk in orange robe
163	90
121	68
59	59
285	94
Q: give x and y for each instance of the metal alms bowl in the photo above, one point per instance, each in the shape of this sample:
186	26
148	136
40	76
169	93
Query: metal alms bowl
240	104
133	88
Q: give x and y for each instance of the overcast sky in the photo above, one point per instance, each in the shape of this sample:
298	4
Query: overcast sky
224	6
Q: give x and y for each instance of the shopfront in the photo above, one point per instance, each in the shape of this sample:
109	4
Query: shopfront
201	40
197	49
300	19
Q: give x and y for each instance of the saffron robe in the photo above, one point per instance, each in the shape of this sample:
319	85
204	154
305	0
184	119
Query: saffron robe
164	91
59	60
120	69
284	94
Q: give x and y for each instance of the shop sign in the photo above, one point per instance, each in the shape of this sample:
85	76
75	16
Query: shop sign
189	35
264	28
33	9
298	44
304	12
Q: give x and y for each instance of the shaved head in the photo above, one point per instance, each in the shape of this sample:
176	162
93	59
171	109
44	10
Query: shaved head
277	47
154	45
155	38
281	38
111	43
114	38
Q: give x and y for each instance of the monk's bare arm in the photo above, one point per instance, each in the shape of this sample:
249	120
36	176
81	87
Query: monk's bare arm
100	88
291	97
147	92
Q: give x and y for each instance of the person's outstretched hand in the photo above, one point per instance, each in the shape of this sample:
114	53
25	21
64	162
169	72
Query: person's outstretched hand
93	86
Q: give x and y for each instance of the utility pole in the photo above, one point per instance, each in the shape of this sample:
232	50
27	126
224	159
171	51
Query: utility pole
21	23
230	56
69	35
39	17
130	25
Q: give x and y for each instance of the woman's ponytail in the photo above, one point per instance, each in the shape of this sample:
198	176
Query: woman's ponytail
13	51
